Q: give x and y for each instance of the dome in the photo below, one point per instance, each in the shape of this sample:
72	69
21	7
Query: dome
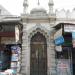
38	11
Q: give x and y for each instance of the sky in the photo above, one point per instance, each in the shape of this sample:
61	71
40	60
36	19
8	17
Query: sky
15	7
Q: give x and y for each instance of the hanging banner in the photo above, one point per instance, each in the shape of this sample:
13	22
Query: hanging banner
16	33
59	41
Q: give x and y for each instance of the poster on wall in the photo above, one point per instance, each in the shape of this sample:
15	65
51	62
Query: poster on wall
14	57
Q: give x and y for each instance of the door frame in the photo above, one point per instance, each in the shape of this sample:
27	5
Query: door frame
47	36
39	42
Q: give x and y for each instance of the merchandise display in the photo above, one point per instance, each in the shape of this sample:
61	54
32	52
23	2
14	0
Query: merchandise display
9	58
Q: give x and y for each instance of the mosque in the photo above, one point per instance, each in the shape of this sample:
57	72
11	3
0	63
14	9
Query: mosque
39	42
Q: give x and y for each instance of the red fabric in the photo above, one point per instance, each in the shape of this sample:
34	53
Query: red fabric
7	34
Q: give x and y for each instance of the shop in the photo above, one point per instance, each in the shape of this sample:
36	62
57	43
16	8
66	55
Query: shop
10	47
65	55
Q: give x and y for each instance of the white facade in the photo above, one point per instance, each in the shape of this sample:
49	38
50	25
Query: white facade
40	21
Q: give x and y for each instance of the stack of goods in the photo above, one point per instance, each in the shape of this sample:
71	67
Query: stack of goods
15	57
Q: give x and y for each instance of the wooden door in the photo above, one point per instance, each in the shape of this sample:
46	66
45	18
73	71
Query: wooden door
38	57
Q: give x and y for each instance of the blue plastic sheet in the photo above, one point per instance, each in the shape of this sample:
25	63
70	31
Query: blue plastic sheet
59	41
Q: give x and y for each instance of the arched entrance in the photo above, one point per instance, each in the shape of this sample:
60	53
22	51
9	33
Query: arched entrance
38	55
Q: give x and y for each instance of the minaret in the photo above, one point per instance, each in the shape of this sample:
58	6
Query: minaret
51	4
25	5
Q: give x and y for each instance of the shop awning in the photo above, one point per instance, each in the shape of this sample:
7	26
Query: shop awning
61	25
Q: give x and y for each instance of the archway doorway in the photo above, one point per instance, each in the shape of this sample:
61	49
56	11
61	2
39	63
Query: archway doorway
38	55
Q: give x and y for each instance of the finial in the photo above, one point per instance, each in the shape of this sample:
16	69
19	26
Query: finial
51	4
25	5
38	3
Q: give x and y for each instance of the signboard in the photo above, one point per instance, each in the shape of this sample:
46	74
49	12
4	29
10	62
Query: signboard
59	41
69	28
63	67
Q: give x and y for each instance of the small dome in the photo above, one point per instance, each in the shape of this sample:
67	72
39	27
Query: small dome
38	11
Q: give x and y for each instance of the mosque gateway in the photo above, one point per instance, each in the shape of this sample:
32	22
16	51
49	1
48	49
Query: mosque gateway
38	42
